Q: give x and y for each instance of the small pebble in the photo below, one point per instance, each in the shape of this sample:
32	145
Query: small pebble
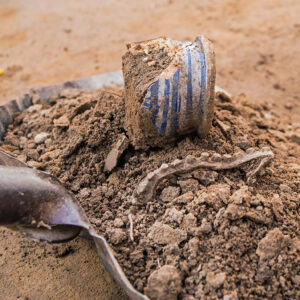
285	188
22	157
215	280
164	283
169	193
62	122
34	108
48	142
118	222
40	138
23	141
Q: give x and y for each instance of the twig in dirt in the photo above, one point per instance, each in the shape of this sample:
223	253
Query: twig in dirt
158	263
130	227
146	189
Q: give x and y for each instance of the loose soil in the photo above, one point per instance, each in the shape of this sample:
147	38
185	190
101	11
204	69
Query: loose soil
257	51
206	234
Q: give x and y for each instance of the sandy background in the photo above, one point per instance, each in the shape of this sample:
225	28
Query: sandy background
43	42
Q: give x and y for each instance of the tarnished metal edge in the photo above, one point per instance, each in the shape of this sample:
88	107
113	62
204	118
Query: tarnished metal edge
90	83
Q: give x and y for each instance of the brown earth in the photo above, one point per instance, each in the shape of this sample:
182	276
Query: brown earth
257	50
214	233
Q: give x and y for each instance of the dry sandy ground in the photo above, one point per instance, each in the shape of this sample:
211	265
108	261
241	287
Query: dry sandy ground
46	42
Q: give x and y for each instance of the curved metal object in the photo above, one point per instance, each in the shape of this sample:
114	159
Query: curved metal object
49	212
37	204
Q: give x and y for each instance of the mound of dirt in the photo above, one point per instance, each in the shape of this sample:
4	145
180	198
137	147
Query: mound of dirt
205	234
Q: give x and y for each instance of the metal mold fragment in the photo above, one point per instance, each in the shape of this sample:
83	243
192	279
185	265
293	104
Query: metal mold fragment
146	189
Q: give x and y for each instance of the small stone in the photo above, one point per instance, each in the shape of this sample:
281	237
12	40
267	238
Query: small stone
231	296
13	140
241	196
295	138
50	155
22	157
189	222
234	212
113	156
22	142
164	284
118	222
271	245
172	249
189	185
222	191
294	134
278	134
116	236
282	281
136	256
151	63
172	260
41	137
224	127
31	145
296	280
169	193
34	108
184	199
189	283
216	195
172	215
241	141
205	226
63	121
295	244
84	192
194	245
206	177
34	164
257	216
215	280
107	215
264	273
285	188
199	291
48	142
219	217
164	234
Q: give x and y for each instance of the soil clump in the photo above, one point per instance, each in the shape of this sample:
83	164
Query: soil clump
206	234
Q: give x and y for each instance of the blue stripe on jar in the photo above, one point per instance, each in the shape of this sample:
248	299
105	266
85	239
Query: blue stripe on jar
147	103
189	103
150	102
163	126
174	107
202	80
154	100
